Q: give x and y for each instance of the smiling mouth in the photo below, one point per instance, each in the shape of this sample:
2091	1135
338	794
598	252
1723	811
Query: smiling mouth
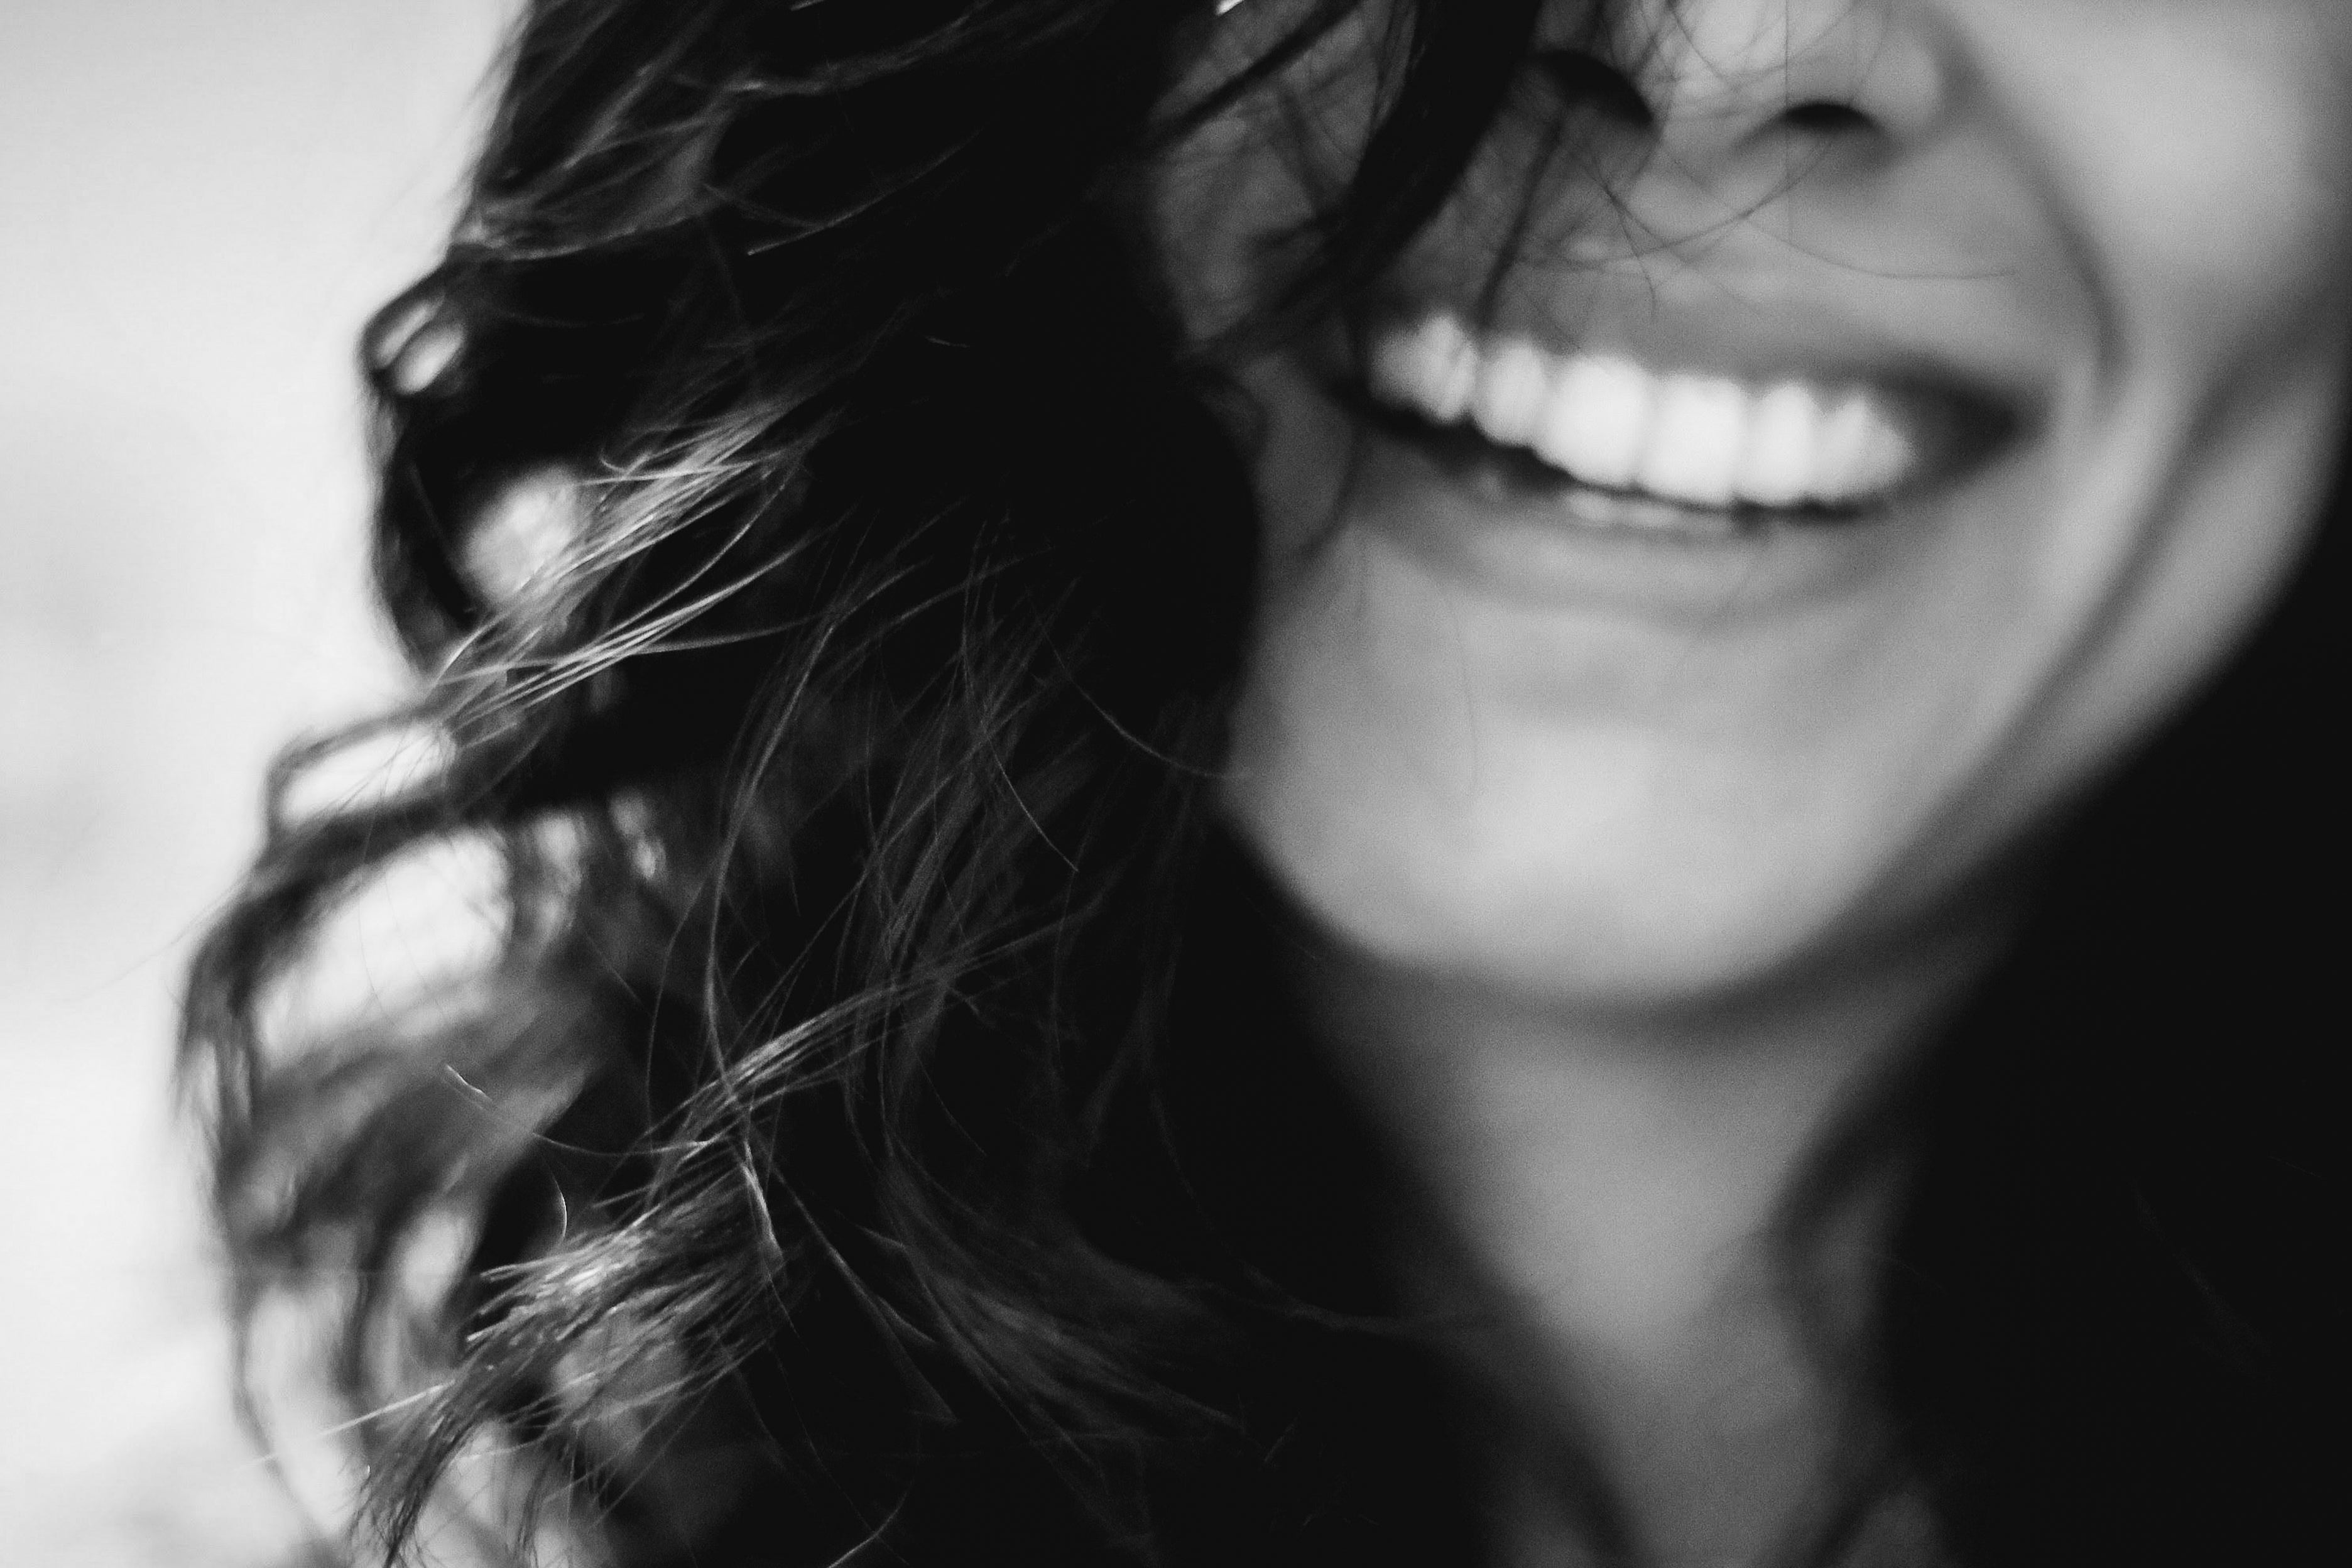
1627	446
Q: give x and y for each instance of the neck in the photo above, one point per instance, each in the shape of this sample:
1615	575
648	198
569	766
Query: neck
1619	1187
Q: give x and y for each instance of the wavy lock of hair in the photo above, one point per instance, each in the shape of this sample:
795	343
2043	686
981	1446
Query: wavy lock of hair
841	752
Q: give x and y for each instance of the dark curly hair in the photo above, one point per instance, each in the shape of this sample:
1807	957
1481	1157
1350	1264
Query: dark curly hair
872	1131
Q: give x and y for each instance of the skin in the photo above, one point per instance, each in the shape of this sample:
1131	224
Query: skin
1637	859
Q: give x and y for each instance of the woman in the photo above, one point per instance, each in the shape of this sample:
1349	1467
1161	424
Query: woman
1331	782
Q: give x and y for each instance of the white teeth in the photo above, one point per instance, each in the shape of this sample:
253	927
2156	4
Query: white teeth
1695	440
1857	452
1783	433
1597	421
1513	384
1430	369
1844	444
1700	441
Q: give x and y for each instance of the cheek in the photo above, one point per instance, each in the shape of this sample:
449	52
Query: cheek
2221	231
2227	274
2205	162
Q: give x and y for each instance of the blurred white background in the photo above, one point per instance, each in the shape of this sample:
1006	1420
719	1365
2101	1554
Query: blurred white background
200	200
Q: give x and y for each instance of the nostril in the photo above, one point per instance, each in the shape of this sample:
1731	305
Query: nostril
1825	117
1589	82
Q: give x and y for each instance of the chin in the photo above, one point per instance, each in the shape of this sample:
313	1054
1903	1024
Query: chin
1604	914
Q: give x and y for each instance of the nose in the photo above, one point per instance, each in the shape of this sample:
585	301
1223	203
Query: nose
1745	96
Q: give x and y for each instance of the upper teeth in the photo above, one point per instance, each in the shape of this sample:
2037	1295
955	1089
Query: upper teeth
1700	440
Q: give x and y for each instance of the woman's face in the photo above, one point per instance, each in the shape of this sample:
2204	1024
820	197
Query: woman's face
1843	468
